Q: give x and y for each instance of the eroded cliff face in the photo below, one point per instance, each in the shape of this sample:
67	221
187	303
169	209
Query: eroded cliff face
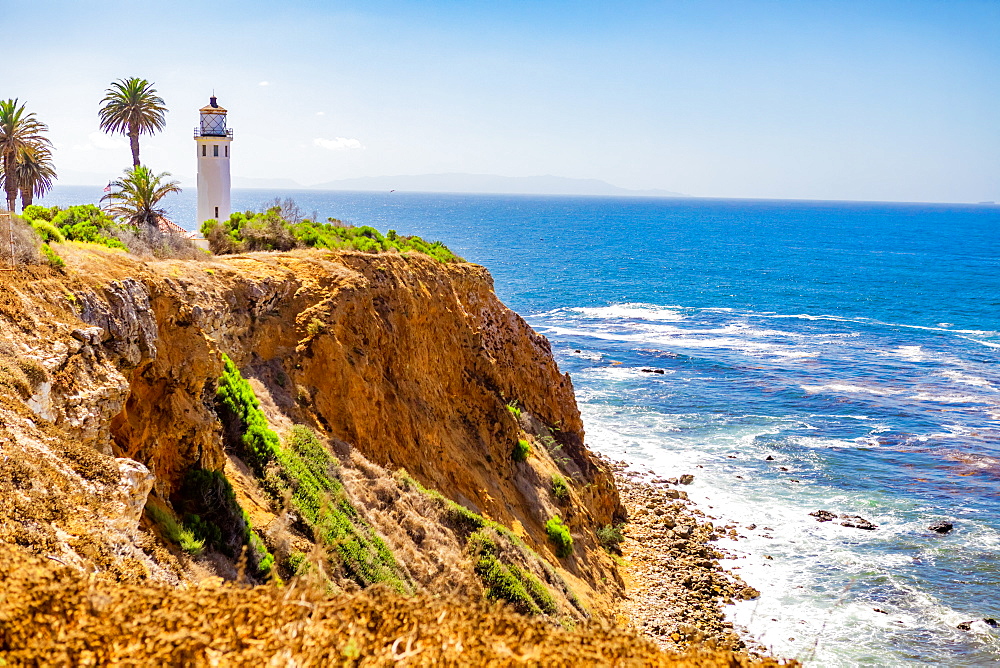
403	361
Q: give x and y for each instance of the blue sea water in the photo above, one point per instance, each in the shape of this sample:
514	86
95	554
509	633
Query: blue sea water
815	355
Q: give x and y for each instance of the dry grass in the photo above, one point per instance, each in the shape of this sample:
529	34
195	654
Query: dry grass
56	616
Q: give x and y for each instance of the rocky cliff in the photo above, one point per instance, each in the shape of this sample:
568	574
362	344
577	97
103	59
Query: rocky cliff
109	371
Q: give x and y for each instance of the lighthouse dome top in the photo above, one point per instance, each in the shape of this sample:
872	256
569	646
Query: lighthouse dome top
212	107
212	122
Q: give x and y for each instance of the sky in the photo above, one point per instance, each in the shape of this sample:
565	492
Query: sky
826	99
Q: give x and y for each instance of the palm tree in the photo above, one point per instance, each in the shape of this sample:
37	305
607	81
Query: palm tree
132	107
35	173
134	198
18	131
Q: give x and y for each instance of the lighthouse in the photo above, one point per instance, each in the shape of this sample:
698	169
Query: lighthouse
213	139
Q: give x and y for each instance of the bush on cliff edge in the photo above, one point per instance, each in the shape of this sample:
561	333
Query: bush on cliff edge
280	228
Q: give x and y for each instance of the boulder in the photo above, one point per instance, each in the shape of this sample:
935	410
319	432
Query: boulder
686	479
941	527
823	515
857	522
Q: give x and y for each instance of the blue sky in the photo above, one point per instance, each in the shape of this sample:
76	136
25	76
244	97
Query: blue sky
820	100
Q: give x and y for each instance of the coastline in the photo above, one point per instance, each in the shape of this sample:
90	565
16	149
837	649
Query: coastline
675	585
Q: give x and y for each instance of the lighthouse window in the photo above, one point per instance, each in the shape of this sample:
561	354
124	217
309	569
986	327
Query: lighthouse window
215	151
227	151
216	212
204	150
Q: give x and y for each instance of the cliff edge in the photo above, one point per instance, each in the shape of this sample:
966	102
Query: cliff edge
410	371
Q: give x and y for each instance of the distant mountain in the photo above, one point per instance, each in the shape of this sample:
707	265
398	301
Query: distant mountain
487	183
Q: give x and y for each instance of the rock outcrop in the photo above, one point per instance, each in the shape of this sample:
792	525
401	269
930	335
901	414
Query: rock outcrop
412	363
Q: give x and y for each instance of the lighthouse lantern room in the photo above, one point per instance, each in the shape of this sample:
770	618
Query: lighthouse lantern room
213	139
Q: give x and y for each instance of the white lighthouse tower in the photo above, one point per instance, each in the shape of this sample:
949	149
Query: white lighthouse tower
213	139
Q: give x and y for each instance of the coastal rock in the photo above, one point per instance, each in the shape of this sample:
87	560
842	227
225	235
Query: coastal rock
823	515
857	522
941	527
686	479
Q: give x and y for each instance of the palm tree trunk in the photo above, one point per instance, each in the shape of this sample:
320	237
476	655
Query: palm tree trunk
10	180
27	197
133	140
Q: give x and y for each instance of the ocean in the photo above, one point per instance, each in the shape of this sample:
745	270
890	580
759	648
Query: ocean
814	355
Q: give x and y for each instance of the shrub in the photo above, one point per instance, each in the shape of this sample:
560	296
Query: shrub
560	489
26	243
559	536
522	449
610	537
47	232
216	518
282	227
483	536
52	257
303	467
508	581
182	535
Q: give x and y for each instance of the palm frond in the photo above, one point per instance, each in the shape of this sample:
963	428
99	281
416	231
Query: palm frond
134	199
132	104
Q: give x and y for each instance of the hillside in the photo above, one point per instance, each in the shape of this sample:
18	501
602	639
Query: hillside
351	428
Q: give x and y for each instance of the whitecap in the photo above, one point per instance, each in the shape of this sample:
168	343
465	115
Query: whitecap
632	311
949	398
844	388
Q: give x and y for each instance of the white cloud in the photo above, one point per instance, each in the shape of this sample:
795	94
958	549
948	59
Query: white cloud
264	83
321	113
338	144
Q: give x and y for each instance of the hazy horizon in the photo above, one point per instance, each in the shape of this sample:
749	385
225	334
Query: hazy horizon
877	101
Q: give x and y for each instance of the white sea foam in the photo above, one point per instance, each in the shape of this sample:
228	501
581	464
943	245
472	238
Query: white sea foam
949	398
966	379
846	388
632	311
908	354
988	344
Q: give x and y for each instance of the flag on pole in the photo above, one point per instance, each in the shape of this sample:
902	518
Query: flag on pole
107	188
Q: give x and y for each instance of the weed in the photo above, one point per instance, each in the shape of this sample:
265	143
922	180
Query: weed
52	257
521	451
559	536
610	537
560	489
314	327
514	410
175	532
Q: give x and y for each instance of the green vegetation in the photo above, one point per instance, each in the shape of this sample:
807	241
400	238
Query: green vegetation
134	199
85	223
52	257
132	107
513	408
303	469
214	517
280	228
610	537
508	581
521	451
22	140
560	489
497	551
175	532
559	536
